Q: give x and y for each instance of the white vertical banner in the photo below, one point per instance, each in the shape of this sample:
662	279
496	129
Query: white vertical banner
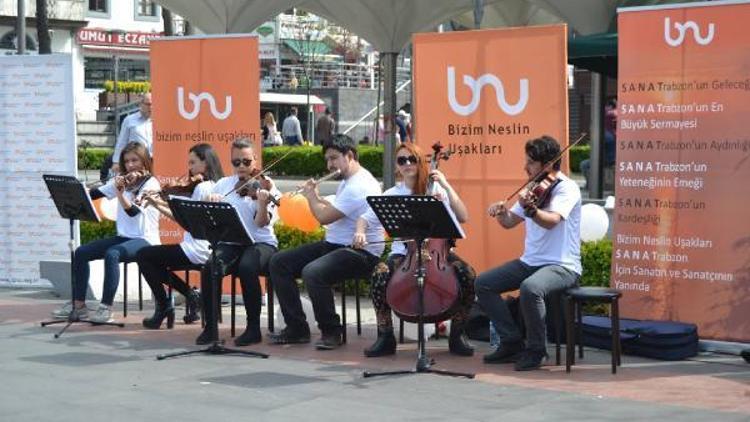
37	136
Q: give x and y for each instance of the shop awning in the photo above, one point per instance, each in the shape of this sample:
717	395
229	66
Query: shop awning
597	53
308	48
295	99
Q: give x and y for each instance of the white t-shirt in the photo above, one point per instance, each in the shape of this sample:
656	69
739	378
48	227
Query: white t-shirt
135	128
145	224
560	245
246	208
197	250
399	248
351	200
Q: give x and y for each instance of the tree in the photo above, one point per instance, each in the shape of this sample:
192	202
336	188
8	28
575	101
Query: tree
42	27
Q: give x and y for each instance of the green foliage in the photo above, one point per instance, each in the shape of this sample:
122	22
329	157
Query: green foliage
137	87
290	237
91	231
308	160
596	259
92	158
578	153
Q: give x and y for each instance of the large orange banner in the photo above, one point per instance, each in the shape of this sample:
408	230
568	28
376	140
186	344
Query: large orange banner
204	90
682	235
483	94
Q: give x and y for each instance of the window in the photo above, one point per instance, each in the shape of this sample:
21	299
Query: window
146	8
100	69
99	6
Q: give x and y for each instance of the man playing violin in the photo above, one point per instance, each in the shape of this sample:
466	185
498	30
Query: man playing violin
414	177
255	207
328	262
551	261
204	169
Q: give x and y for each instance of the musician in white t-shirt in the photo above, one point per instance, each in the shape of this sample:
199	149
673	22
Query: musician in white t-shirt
551	261
137	227
155	262
258	213
328	262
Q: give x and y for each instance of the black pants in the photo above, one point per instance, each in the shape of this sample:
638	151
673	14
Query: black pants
249	263
154	262
321	265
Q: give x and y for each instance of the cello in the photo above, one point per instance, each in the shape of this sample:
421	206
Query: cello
441	285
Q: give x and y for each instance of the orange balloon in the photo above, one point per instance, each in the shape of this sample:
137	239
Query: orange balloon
295	212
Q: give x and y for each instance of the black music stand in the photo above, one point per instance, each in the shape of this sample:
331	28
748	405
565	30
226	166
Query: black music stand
74	203
419	218
218	223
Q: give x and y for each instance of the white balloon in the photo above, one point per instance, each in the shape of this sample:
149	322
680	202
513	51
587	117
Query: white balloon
594	222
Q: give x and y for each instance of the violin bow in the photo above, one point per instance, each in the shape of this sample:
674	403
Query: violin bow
262	172
546	167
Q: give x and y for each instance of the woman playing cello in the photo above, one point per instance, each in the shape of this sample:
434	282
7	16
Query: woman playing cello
414	174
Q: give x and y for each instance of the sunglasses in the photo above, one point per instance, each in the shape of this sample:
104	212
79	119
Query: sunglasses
245	161
404	160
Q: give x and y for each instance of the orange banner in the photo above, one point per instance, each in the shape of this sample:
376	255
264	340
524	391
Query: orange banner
483	94
204	90
682	236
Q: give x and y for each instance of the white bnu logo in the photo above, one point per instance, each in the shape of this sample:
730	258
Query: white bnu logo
197	100
682	30
476	93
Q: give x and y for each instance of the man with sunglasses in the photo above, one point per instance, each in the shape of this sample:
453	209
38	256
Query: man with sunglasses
258	216
328	262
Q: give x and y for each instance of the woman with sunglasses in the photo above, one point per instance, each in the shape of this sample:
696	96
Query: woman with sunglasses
413	174
258	214
155	261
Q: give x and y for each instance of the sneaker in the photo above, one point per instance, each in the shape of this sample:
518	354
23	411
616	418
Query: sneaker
103	314
63	312
530	360
286	336
329	341
505	353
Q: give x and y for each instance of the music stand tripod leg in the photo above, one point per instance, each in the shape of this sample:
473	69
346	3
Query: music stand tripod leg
71	319
217	346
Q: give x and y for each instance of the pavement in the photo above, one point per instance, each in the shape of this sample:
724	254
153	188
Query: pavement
112	373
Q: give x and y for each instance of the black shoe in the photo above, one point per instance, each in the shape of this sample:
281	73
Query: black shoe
746	355
530	360
505	353
458	343
384	345
287	336
208	336
250	336
329	341
161	312
192	307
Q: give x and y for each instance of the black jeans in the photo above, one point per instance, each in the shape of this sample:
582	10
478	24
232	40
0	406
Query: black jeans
249	263
321	265
154	262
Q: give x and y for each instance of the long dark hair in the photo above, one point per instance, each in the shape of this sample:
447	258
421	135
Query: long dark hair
207	154
140	150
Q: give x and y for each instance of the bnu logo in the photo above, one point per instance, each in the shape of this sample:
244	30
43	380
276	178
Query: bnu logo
476	93
682	30
197	100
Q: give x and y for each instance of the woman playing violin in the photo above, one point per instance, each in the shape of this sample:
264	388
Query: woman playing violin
204	169
550	206
254	204
137	227
413	174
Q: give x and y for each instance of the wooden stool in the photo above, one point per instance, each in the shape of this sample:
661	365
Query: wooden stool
575	298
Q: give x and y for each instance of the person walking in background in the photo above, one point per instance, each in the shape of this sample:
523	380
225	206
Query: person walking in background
610	140
271	135
325	128
291	130
137	127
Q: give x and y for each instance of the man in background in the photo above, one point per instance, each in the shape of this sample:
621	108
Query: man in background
291	130
137	127
325	128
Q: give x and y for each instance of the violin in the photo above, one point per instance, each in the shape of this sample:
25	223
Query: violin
132	181
249	187
441	290
185	186
539	190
